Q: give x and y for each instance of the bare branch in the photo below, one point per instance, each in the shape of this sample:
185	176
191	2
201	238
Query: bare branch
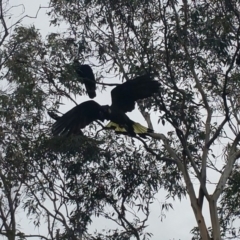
163	138
3	23
124	220
61	218
232	157
26	16
32	236
216	134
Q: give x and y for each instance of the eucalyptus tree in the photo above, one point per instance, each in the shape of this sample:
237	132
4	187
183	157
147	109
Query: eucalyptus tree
62	183
193	45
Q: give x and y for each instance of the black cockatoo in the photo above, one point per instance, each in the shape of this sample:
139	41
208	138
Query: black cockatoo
123	100
85	75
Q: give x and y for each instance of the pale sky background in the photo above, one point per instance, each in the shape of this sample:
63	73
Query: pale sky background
178	222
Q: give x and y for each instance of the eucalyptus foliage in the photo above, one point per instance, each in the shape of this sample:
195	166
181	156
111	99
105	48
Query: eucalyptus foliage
66	183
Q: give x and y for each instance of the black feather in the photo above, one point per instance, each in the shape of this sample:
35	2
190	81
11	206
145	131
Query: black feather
123	100
53	115
77	118
86	76
125	95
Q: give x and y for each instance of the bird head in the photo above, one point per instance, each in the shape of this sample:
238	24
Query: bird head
105	112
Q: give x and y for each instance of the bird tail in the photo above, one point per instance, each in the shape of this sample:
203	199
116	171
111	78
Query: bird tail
91	91
137	127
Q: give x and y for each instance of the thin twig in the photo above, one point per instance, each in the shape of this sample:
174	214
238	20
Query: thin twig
3	23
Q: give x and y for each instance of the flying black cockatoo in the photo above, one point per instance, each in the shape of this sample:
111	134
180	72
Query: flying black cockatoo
86	76
123	100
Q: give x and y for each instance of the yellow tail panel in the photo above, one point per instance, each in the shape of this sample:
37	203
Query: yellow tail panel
116	127
137	127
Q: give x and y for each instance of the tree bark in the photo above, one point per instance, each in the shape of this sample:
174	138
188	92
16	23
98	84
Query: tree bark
196	208
199	217
214	219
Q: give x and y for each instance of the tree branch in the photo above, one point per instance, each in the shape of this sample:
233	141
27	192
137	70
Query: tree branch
32	236
3	23
232	156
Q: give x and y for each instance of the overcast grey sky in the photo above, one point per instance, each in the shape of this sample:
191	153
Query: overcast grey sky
179	221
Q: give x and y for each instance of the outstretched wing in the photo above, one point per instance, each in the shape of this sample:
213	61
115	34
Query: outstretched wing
53	115
125	95
85	73
78	118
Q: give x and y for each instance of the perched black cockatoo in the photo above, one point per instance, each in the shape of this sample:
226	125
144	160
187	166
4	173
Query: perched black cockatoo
123	100
86	76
